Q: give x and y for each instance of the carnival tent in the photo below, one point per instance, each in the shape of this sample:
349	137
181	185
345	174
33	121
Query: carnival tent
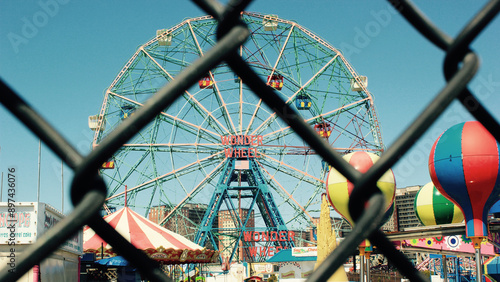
159	243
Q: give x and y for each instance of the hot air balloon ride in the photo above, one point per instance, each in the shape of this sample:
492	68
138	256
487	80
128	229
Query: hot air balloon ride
339	189
432	208
464	166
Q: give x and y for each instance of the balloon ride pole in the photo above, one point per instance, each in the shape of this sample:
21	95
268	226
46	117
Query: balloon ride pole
445	268
476	241
361	264
368	264
478	264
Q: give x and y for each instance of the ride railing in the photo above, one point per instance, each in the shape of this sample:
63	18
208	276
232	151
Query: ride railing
88	189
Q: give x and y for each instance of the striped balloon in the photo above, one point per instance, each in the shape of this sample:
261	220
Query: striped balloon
464	166
339	189
432	208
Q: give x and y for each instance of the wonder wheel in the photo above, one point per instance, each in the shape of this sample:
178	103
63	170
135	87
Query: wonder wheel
219	148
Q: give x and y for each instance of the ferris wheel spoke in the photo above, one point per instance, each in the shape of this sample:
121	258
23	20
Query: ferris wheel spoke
288	195
153	133
254	54
353	130
260	50
220	99
202	110
180	171
277	134
291	150
314	109
208	178
346	132
240	88
325	116
99	127
205	148
133	169
155	173
290	100
313	193
193	101
226	115
265	124
343	108
288	67
290	170
213	136
281	51
139	166
252	119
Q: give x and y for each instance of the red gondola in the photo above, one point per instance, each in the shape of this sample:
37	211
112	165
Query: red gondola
324	129
275	81
108	165
206	83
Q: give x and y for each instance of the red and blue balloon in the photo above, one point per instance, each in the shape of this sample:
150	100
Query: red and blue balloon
464	167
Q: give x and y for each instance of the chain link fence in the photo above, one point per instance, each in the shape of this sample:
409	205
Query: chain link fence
88	189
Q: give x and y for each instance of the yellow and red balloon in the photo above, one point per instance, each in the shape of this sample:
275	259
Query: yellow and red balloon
339	189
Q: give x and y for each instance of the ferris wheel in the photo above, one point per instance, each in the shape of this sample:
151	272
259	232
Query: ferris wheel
219	131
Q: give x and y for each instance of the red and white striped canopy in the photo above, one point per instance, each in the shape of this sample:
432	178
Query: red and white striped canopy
160	243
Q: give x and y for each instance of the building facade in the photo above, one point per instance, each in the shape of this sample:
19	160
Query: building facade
185	222
229	231
404	210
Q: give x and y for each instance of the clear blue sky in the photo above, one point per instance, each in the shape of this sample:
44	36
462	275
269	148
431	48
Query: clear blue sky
60	55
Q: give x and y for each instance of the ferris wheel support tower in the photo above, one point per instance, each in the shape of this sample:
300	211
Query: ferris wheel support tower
243	178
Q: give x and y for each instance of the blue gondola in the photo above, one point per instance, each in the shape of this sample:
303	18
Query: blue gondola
326	166
126	111
303	102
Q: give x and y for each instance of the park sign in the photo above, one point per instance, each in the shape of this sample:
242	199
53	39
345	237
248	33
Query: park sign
267	237
24	222
304	251
242	146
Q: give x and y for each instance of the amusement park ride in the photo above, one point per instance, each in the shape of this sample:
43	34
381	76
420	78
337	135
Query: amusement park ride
220	148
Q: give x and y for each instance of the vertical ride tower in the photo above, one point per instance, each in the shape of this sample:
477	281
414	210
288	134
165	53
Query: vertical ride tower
242	181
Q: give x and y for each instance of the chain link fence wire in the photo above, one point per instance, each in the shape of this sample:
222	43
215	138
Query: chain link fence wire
88	189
